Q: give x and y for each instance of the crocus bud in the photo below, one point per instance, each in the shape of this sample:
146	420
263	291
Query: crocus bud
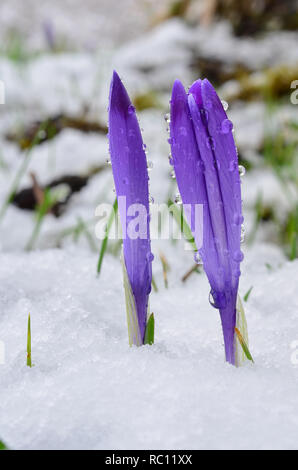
129	167
206	166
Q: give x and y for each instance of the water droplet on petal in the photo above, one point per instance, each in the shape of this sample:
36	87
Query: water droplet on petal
182	131
225	105
131	109
150	257
238	219
242	170
242	237
197	258
210	142
167	118
178	199
233	165
125	180
217	299
150	165
108	161
226	126
238	256
173	175
171	161
151	200
204	114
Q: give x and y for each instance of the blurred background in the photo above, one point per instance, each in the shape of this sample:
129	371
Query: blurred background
56	60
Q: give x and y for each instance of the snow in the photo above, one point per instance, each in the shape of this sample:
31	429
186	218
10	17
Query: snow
88	389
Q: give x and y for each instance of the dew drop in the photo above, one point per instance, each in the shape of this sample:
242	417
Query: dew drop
238	256
131	109
204	114
172	174
232	165
242	237
225	105
210	143
171	161
238	219
108	161
151	200
241	169
178	199
197	258
167	118
125	180
150	165
217	299
211	300
226	126
150	257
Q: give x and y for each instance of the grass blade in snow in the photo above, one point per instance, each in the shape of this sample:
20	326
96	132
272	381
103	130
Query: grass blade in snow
20	173
29	362
105	240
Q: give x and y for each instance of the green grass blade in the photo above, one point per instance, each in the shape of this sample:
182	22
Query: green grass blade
246	297
149	333
20	173
29	362
104	244
241	337
243	345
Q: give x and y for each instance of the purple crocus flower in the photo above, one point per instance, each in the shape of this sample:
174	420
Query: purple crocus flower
206	166
130	173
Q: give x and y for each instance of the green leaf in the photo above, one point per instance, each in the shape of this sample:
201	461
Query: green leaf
245	298
134	334
149	333
22	170
241	336
3	446
105	240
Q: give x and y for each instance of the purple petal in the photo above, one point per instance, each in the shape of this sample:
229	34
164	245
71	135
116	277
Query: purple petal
129	167
189	170
220	130
214	136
